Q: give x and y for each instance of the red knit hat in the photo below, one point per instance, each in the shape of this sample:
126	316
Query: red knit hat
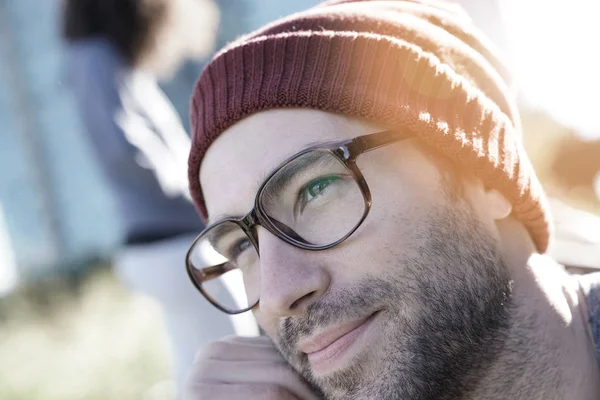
414	64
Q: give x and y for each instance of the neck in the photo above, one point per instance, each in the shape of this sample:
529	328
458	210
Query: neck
548	351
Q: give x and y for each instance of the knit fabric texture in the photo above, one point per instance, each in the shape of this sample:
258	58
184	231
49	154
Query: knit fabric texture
417	65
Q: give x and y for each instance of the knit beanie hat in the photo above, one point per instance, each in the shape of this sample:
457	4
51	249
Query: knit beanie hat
418	65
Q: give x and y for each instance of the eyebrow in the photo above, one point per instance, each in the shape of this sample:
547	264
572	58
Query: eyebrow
308	145
284	175
282	178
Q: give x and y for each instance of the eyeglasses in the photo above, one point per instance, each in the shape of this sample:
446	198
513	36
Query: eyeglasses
314	200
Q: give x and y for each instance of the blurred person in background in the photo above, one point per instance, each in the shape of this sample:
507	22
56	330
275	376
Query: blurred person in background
116	49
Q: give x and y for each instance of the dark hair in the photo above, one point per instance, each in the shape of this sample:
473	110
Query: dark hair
130	25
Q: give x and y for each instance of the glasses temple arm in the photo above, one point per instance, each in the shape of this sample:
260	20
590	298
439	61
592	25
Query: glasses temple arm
216	271
376	140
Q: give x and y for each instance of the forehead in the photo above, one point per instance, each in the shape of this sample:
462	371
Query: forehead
238	161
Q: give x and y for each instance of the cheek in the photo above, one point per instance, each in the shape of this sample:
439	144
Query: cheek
391	233
381	242
402	202
269	324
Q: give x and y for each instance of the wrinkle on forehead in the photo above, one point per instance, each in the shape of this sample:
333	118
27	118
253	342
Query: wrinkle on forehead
246	153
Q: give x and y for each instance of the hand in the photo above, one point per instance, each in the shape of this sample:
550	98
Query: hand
244	368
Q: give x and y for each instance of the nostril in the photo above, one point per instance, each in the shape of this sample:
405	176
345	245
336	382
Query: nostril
296	304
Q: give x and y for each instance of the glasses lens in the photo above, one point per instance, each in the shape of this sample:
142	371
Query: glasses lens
314	199
225	265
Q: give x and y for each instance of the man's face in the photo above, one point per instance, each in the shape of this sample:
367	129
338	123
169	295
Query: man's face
410	305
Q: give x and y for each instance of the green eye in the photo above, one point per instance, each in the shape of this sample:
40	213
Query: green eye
316	187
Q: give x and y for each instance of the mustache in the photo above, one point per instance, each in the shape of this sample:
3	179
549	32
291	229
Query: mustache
362	299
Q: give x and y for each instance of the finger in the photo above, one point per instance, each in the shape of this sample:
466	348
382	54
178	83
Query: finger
256	391
249	372
231	352
250	340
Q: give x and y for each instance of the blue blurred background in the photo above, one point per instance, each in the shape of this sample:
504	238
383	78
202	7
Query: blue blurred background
56	212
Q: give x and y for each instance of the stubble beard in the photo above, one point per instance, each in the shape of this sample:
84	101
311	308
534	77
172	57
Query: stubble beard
444	318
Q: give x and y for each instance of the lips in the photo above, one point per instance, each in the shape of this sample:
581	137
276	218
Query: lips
330	349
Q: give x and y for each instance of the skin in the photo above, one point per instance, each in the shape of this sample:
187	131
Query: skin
464	308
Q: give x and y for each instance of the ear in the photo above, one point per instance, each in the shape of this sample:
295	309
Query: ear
498	206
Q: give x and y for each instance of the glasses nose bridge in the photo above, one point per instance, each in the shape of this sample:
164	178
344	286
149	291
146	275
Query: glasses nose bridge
252	220
249	222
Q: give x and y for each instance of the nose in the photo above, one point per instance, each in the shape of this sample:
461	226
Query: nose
291	278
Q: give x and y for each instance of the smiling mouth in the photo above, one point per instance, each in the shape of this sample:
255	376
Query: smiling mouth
335	348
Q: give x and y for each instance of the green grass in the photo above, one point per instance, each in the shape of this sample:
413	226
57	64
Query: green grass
89	340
